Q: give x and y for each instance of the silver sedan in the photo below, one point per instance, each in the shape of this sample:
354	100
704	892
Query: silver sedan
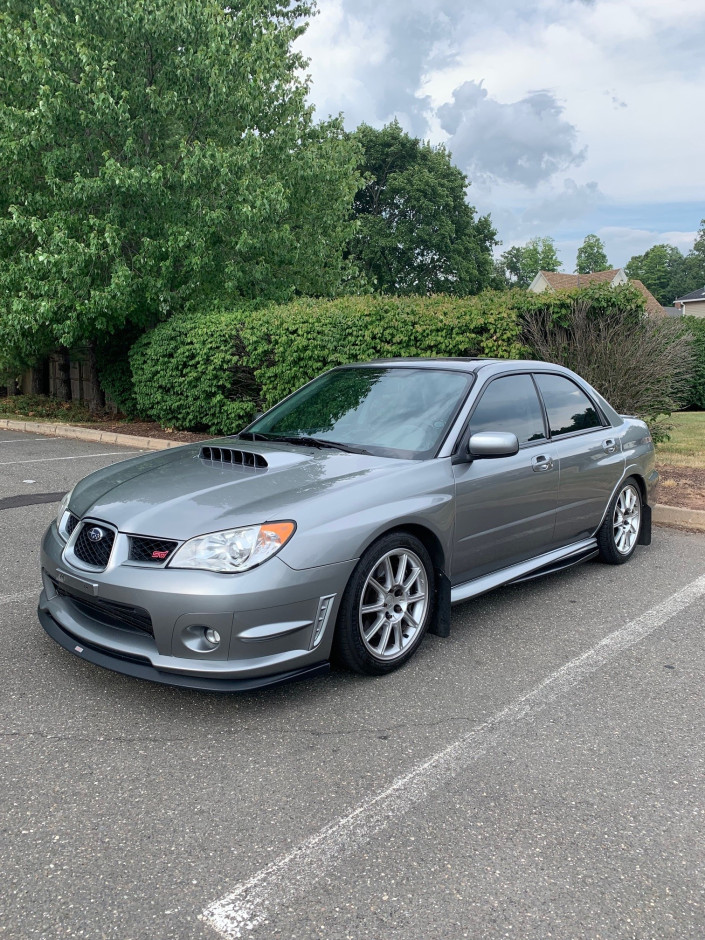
343	523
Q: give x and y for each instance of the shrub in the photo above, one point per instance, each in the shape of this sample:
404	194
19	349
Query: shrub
641	367
696	393
212	371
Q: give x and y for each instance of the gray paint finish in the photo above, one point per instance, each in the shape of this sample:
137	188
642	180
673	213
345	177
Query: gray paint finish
480	516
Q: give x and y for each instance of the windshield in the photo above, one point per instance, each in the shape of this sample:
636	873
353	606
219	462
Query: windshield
396	412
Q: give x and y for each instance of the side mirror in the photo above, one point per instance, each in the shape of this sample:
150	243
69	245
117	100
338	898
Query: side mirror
493	444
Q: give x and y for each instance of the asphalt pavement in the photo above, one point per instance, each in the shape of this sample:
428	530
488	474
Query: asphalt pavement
539	774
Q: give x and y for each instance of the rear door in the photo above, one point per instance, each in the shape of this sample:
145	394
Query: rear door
588	455
505	507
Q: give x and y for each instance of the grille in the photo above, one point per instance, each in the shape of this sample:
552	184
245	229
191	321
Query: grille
152	551
110	613
71	523
238	458
93	553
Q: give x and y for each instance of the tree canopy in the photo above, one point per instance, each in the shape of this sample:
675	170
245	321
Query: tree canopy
662	270
519	265
667	272
591	256
416	232
154	156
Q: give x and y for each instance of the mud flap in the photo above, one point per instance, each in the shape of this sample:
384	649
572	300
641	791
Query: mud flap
441	623
645	533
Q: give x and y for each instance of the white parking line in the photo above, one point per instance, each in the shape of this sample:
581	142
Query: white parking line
30	440
113	453
248	905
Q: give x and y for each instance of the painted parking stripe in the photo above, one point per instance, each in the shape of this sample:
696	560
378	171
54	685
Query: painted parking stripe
30	440
248	906
112	453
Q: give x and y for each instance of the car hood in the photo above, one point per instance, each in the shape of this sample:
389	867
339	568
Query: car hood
177	494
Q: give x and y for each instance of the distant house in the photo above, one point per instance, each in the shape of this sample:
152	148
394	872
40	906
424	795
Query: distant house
692	304
552	281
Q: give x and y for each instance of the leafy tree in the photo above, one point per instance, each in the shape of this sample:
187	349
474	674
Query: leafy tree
155	156
521	263
662	270
416	233
591	256
694	274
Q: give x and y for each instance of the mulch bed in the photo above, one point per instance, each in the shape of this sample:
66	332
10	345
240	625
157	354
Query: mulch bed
681	486
147	429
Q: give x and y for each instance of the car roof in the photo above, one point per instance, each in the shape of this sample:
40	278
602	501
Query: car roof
458	364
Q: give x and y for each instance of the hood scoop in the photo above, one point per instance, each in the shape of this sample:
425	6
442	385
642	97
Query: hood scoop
235	458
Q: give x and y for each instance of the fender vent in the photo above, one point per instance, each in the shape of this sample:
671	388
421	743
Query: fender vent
238	458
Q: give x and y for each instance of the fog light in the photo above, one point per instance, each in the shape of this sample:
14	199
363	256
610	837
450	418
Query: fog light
211	636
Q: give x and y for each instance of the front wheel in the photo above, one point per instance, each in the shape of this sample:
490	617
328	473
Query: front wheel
387	605
619	533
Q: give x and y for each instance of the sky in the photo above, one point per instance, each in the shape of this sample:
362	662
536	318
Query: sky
569	117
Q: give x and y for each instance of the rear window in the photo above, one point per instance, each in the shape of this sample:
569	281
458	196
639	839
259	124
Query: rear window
568	407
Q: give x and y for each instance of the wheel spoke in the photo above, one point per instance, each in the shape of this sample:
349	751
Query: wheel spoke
385	637
401	569
372	608
398	637
410	620
370	632
388	572
415	572
377	586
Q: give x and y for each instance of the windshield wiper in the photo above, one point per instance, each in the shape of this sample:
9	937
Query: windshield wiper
317	442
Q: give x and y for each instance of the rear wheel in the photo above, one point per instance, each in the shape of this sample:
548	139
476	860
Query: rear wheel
387	605
619	533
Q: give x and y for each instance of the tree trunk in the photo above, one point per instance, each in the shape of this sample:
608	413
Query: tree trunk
96	396
63	375
40	378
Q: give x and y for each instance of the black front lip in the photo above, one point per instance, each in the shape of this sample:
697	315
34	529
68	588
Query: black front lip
140	668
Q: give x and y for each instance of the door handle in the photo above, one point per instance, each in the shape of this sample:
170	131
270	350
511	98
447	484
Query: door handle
541	463
609	446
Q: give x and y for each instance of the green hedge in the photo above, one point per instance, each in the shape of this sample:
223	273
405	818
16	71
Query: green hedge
213	370
696	326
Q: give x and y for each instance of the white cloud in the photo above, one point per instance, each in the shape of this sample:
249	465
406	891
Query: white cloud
521	92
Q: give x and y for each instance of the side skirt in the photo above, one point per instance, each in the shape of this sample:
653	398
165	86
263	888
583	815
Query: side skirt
556	560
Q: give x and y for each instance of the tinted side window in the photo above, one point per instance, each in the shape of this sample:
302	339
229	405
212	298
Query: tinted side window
569	409
510	404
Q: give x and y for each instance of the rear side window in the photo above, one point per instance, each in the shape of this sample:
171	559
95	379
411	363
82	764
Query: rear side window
568	407
510	404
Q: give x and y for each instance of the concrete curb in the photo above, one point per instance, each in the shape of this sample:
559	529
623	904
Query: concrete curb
678	516
662	515
88	434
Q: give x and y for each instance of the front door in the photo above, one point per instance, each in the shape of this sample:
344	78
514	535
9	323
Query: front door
506	506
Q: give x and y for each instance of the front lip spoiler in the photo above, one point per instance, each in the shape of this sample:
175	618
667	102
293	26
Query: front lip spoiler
141	669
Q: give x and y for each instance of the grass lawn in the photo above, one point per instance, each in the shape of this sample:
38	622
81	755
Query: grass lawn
687	445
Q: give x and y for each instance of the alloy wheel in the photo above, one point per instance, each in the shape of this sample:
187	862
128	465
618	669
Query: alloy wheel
393	604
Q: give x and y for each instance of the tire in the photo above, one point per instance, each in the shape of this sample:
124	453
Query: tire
387	606
618	535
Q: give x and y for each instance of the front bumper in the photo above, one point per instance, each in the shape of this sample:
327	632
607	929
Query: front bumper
267	619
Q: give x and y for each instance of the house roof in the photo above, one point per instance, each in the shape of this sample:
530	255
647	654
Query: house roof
559	281
693	295
653	307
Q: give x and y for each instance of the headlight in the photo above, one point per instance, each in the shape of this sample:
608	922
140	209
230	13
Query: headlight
63	506
234	549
